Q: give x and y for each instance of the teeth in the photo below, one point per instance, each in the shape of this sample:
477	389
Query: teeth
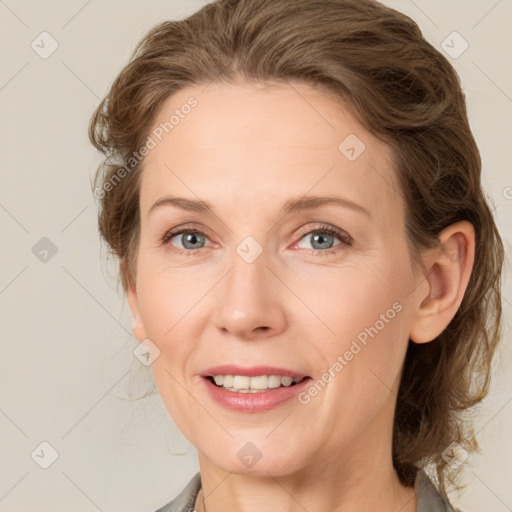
286	381
257	384
219	380
274	381
241	382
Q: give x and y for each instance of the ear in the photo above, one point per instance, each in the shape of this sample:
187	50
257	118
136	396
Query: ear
138	327
449	269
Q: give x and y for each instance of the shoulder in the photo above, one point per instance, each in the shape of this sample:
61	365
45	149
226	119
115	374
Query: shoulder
429	500
186	499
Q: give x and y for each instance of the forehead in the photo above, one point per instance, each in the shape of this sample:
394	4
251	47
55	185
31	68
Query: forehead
277	140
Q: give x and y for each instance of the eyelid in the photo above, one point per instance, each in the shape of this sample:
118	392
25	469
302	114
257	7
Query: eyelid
187	228
343	236
326	228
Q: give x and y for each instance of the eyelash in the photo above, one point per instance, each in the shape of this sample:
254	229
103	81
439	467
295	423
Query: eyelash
344	238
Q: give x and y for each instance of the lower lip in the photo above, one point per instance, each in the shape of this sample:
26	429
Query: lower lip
253	402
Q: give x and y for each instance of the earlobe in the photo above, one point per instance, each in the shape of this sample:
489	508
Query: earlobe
449	269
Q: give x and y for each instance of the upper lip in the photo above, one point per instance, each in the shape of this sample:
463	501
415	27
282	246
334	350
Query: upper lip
252	371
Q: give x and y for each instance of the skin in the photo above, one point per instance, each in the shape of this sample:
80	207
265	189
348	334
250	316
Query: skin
247	149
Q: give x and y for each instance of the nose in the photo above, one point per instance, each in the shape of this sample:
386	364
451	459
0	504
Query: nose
249	300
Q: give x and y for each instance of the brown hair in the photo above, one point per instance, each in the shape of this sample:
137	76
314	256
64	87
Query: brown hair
403	91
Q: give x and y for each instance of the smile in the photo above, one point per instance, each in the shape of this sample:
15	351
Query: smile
255	384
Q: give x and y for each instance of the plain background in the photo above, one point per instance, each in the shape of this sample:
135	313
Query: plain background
67	366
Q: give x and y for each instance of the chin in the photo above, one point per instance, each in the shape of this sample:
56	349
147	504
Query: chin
257	458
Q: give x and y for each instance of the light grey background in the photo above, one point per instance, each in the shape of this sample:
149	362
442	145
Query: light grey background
67	364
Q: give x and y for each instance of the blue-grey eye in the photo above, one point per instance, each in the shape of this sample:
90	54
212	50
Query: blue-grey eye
191	240
322	239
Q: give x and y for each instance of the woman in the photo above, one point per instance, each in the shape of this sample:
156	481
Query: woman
293	191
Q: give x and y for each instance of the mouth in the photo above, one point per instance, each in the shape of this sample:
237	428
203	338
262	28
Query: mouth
254	379
258	392
255	389
253	384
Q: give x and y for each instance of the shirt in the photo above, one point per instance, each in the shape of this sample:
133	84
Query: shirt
429	500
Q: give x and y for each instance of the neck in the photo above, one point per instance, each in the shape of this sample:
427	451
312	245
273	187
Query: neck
358	478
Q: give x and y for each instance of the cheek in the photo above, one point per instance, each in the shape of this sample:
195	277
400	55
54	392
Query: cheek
170	383
168	301
348	301
363	333
166	296
166	311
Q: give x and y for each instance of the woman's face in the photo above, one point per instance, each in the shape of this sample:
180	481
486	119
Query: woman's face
255	280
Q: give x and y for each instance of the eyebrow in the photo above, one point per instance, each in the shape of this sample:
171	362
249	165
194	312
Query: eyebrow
290	206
